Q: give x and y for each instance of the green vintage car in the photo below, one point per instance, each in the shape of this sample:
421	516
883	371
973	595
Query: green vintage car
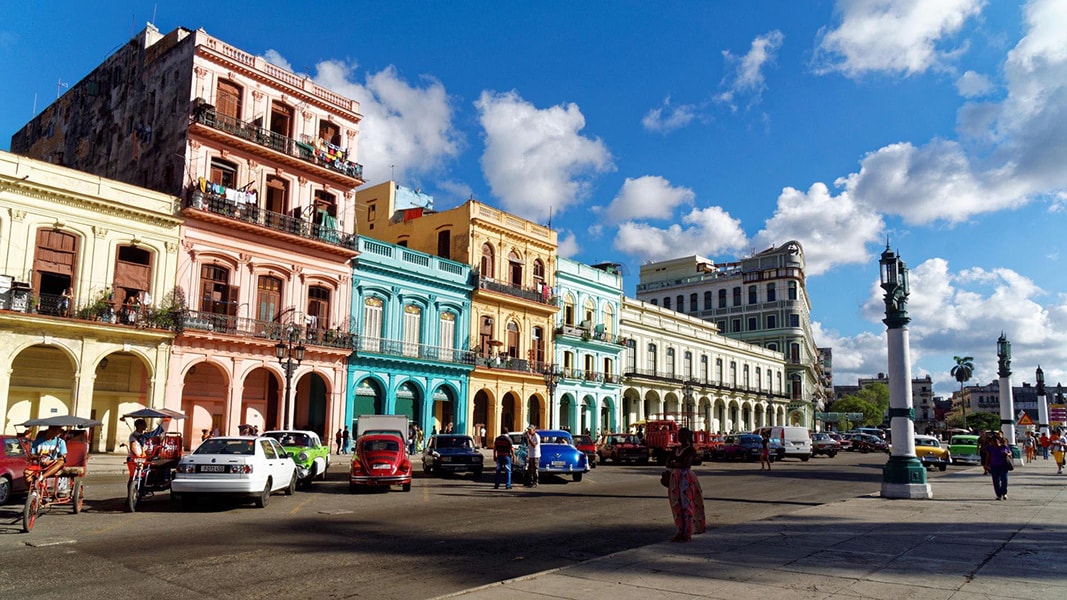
964	449
312	458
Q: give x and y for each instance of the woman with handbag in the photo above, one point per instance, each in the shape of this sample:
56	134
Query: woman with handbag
683	491
1000	462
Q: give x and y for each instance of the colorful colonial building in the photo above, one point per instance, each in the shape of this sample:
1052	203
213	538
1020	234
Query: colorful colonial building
513	305
264	162
412	312
87	312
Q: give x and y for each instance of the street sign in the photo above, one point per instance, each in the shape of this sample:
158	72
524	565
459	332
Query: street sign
1025	420
1057	414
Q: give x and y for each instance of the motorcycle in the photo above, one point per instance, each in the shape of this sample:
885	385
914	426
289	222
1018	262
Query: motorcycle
153	471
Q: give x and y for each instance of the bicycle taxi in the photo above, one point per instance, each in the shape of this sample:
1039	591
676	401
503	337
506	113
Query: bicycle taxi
152	464
54	480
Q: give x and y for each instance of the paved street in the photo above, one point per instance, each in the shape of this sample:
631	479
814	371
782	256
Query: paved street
446	535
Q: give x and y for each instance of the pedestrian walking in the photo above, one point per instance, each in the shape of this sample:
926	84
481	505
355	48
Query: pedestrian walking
983	455
481	434
1000	463
337	438
503	450
1045	443
765	454
1028	444
533	455
684	492
346	441
1059	451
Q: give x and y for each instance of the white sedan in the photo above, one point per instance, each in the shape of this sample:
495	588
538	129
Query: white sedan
235	466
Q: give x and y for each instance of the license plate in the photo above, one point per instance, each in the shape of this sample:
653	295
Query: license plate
212	468
381	466
445	459
558	463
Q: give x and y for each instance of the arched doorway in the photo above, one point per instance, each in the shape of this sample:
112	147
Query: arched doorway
260	400
409	402
566	412
42	385
533	411
309	404
368	398
607	416
511	412
121	386
444	409
481	414
653	406
204	401
588	415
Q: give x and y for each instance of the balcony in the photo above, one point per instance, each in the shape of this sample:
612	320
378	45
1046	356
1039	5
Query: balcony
101	310
541	296
597	333
373	345
589	376
700	383
220	201
328	157
509	363
263	330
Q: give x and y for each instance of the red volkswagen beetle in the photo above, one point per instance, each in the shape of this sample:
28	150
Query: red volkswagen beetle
380	460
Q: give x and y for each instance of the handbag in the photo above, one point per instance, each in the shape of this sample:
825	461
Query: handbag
665	478
1011	463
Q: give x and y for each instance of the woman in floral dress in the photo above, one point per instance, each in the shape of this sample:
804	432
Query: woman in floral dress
684	493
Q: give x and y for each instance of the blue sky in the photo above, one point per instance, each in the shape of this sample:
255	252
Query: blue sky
651	130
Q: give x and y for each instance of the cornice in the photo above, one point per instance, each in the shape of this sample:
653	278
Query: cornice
27	189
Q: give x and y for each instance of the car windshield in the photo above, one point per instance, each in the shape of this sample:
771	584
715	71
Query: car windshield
454	442
583	440
226	446
556	439
380	445
964	441
751	439
927	441
302	440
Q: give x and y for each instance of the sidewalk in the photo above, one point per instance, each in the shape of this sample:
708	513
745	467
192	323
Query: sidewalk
962	545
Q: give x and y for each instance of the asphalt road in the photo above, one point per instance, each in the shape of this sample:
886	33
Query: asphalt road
445	535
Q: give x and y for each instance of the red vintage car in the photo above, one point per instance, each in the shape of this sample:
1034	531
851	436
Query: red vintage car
380	460
585	444
12	465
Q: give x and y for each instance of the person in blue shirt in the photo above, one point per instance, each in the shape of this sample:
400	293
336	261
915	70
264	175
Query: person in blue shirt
138	445
50	450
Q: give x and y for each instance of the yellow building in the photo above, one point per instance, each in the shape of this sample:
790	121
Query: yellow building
87	270
513	304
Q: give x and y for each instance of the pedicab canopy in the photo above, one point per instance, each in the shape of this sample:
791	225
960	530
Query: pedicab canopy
62	421
154	413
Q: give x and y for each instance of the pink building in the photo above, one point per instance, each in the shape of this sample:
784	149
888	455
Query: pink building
265	164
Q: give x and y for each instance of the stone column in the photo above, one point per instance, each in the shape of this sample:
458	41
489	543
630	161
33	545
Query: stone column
1007	404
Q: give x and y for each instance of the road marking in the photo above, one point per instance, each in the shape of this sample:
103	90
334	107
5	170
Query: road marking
50	542
297	508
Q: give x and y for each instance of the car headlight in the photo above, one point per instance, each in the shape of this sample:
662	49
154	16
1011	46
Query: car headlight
302	457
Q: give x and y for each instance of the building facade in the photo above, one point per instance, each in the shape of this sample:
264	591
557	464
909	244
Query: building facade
679	367
588	348
513	303
761	300
264	162
87	273
412	312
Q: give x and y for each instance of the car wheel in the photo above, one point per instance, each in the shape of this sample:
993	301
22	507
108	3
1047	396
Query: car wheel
406	487
477	473
804	458
832	454
77	496
942	467
291	488
263	499
5	489
578	477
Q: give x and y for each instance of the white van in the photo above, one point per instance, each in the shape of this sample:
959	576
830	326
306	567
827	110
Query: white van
796	440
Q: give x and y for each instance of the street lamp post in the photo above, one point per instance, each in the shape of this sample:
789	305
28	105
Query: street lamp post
1042	402
1007	404
687	401
903	475
290	352
551	381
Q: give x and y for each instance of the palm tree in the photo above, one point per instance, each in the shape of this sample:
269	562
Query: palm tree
962	372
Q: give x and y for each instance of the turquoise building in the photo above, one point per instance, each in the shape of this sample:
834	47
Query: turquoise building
588	347
411	319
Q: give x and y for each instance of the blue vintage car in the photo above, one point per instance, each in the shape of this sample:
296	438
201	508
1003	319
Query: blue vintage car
559	456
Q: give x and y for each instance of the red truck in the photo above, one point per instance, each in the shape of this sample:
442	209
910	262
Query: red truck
661	437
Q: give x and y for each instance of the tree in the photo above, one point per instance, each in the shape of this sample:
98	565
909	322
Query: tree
985	421
963	371
853	403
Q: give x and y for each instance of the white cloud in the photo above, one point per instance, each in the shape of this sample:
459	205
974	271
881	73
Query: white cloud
648	197
536	160
707	232
406	130
899	36
568	244
669	117
746	76
833	230
972	85
275	58
962	313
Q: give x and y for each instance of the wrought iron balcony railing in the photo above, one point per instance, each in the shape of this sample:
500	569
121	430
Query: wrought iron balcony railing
104	310
214	202
329	156
264	330
374	345
541	296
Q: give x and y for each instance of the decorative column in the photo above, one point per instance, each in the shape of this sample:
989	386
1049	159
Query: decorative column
903	475
1042	403
1007	405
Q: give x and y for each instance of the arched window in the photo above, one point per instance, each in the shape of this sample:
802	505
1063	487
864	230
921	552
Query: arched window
488	261
485	336
722	298
513	339
538	272
318	307
412	329
707	300
228	99
268	298
372	324
609	319
568	310
588	313
514	269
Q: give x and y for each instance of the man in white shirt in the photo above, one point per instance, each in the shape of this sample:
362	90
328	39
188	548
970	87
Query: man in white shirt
533	455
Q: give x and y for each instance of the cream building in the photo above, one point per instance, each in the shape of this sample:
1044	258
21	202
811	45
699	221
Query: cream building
74	248
679	367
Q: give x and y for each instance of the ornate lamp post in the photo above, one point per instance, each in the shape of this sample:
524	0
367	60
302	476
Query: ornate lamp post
289	357
687	401
551	381
1042	402
903	475
1007	404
